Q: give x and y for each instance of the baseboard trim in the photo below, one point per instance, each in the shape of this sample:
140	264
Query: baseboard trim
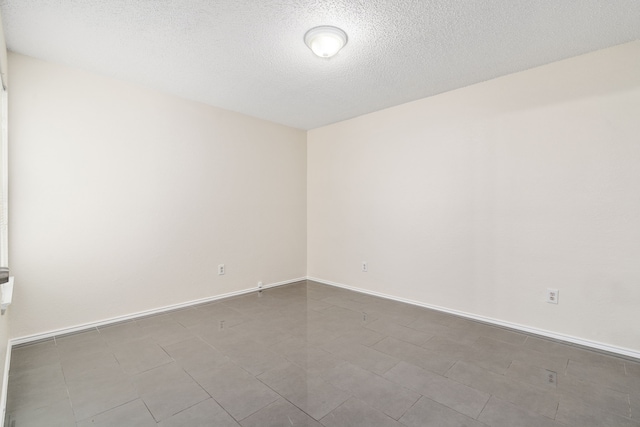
5	382
29	339
602	347
607	348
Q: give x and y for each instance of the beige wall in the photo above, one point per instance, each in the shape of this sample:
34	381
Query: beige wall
479	199
125	199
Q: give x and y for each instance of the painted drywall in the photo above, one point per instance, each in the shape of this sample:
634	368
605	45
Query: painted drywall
477	200
125	199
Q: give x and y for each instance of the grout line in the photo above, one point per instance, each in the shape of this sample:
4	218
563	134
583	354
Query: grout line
555	414
209	394
117	406
148	410
450	368
186	409
485	403
413	404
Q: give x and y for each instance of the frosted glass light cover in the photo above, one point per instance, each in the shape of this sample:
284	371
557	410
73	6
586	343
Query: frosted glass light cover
325	41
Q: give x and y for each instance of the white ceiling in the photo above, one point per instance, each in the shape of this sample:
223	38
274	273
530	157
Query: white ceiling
249	55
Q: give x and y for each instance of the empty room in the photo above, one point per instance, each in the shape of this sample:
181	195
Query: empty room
320	213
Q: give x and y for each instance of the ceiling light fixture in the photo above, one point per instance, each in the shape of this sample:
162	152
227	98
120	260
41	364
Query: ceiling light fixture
325	41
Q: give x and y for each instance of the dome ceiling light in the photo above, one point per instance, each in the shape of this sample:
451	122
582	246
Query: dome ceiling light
325	41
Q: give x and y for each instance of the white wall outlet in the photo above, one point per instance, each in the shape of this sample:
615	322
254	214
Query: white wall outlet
552	296
259	285
220	269
365	267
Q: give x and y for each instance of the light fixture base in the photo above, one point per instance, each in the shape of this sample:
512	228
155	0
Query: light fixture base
326	40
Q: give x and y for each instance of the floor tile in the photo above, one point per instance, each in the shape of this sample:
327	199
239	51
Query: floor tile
122	333
237	391
139	356
348	317
572	352
432	323
359	335
427	413
193	353
458	334
575	413
607	373
317	334
77	365
398	331
204	414
355	413
189	316
398	313
99	390
313	360
500	413
155	320
168	332
525	395
81	343
132	414
288	345
312	394
58	414
336	357
34	356
592	394
389	397
253	356
532	374
369	358
414	354
459	397
491	354
218	310
347	303
35	388
453	348
549	361
281	413
91	402
632	369
635	406
497	333
167	390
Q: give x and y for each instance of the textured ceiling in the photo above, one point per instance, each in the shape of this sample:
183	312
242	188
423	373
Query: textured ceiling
249	55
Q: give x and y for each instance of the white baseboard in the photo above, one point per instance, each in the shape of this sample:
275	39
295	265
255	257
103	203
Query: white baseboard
549	334
541	332
77	328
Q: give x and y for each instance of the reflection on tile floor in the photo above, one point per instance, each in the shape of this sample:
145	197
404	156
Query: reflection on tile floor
308	354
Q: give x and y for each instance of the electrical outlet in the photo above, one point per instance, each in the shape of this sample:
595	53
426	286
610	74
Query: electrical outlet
552	296
365	268
220	269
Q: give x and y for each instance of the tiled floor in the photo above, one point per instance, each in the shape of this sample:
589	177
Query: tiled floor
314	355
